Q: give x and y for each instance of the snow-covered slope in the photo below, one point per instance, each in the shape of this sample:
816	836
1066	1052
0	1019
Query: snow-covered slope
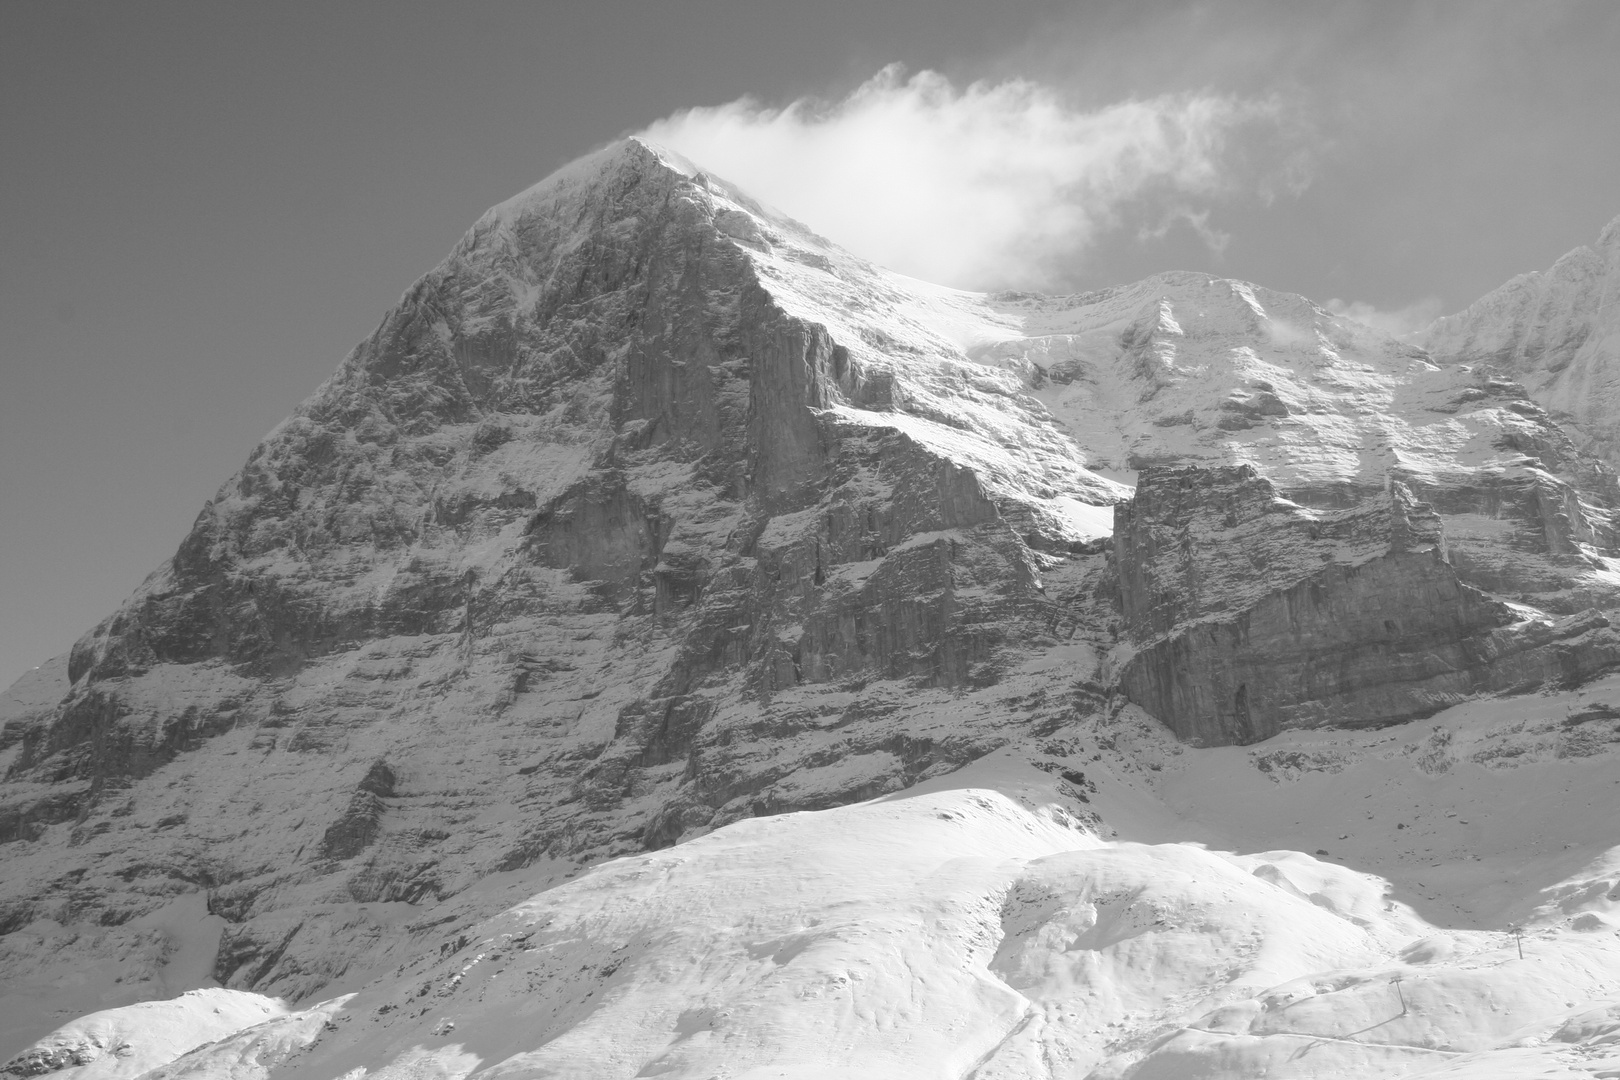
117	1044
1558	330
980	925
649	518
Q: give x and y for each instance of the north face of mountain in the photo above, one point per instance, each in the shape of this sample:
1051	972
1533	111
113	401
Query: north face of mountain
645	511
649	511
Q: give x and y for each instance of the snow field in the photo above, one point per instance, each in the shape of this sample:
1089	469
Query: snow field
978	925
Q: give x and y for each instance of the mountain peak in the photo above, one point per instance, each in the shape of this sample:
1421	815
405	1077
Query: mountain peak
1609	237
629	156
1556	329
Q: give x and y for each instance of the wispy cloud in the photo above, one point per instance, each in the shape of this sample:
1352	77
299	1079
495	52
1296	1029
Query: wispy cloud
996	183
1196	220
1398	321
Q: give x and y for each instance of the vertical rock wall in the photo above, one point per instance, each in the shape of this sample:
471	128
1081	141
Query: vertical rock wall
1252	615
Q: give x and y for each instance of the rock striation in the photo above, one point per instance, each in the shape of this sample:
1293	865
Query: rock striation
1254	615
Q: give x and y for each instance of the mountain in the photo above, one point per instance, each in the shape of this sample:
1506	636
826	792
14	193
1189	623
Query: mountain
671	644
1558	331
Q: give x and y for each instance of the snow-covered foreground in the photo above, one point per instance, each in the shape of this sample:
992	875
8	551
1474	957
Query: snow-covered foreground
117	1044
1103	903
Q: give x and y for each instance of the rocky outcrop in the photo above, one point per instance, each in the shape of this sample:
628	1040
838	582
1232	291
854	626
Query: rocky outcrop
1199	543
357	829
1253	615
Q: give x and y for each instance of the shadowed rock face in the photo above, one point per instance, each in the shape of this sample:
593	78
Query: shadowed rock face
594	542
1255	615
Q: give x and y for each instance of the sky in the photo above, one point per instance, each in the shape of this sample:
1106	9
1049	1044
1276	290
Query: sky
206	206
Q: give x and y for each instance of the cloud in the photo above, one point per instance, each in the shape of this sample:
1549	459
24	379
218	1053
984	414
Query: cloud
1196	220
993	184
1398	321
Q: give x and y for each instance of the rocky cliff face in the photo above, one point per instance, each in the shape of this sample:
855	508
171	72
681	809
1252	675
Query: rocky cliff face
605	536
1255	615
648	511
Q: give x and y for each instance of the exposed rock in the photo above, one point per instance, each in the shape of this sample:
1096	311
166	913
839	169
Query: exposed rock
586	528
1196	543
357	829
1254	615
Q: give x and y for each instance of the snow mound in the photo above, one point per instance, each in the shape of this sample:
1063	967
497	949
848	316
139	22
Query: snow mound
119	1044
965	931
253	1052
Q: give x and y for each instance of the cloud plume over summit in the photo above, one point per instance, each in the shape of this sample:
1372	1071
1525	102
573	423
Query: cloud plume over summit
993	184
